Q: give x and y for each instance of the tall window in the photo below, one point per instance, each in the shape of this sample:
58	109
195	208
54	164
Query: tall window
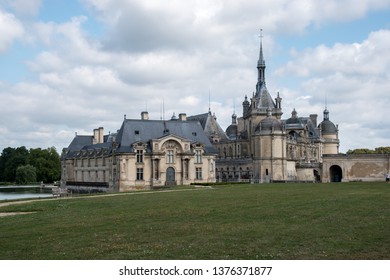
198	173
170	156
198	156
156	171
185	171
140	174
140	156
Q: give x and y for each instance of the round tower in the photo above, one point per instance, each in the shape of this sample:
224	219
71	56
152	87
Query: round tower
269	145
330	134
232	130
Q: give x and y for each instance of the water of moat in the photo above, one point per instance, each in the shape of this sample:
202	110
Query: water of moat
23	192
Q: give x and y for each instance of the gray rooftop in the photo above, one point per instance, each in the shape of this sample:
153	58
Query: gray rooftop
209	125
133	131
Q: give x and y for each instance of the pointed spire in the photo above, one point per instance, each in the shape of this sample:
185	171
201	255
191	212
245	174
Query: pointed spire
260	65
261	61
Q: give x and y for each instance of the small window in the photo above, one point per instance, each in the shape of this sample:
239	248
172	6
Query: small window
198	173
140	174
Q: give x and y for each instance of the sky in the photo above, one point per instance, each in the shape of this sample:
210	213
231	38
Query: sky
69	66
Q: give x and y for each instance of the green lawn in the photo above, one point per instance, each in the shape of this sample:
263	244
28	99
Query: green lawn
268	221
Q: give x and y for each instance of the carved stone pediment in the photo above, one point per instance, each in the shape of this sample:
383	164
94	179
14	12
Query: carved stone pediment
139	146
172	145
197	146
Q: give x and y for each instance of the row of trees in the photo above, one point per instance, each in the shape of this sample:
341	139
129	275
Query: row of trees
379	150
25	166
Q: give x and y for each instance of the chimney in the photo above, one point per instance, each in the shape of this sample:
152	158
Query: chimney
101	135
95	136
144	115
313	118
183	117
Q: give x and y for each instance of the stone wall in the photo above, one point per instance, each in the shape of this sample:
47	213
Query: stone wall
356	167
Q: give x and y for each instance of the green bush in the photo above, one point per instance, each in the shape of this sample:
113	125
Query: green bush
26	174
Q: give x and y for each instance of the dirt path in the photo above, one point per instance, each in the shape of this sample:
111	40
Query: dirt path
5	214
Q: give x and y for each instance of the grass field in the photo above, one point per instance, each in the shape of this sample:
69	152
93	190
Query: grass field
268	221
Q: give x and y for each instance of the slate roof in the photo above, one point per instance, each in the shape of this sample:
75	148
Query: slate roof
78	143
269	123
264	99
232	131
133	131
327	127
313	132
300	123
84	143
210	125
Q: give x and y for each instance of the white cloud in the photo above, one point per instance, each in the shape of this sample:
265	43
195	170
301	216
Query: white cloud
10	29
354	79
23	7
180	51
371	57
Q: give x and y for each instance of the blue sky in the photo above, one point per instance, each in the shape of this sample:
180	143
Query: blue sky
71	66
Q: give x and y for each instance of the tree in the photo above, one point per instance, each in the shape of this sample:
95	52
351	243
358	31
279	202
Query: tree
47	163
25	174
382	150
10	160
379	150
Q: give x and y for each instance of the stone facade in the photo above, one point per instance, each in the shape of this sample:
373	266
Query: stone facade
143	154
257	147
260	146
355	167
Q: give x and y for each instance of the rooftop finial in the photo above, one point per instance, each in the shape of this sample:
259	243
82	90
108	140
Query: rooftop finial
261	35
261	61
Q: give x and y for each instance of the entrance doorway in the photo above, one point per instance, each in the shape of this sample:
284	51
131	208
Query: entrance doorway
317	177
170	180
335	173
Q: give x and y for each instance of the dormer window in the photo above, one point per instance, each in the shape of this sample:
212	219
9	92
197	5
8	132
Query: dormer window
140	156
198	156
